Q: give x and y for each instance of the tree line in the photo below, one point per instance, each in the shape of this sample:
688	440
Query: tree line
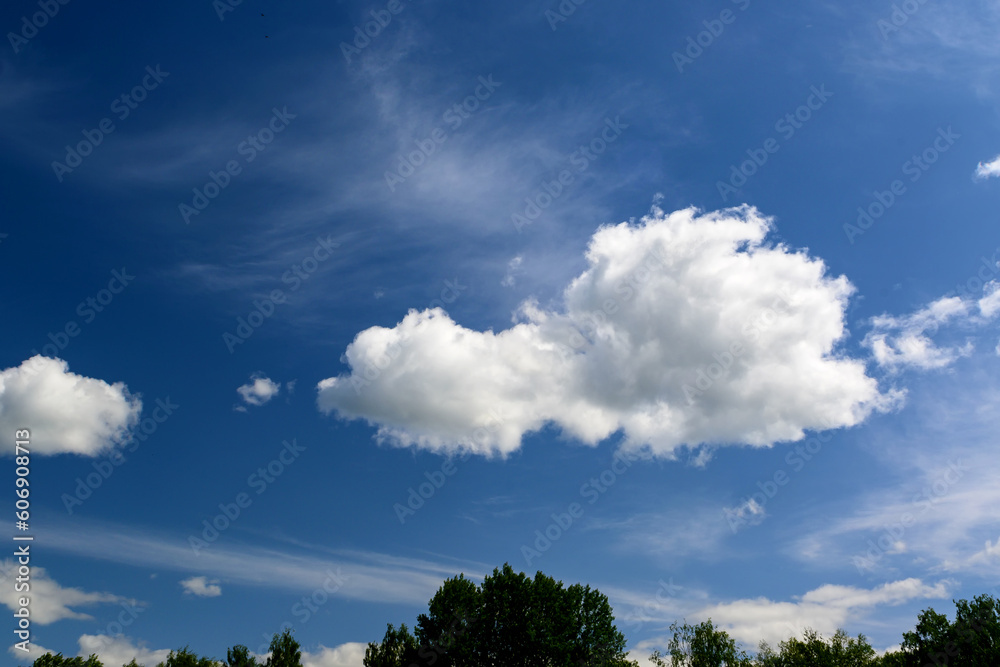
513	620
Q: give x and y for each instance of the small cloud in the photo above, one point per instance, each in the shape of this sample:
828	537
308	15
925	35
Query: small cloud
379	293
989	169
989	305
898	342
513	266
258	391
202	587
747	513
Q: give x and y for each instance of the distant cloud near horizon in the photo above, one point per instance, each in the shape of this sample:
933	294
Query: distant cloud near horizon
51	602
685	329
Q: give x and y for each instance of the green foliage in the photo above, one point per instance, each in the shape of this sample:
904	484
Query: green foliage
704	645
701	645
239	656
511	620
284	651
186	658
812	650
132	663
398	647
972	639
57	660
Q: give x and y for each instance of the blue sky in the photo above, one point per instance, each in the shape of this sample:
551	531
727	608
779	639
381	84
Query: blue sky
707	294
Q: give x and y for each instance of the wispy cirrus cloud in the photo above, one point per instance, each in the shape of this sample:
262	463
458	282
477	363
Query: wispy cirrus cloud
369	576
936	507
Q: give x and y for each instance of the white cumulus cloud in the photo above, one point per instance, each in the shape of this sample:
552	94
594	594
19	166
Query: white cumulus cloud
824	609
119	650
259	390
989	169
898	342
685	329
202	587
989	305
905	342
65	412
50	602
351	654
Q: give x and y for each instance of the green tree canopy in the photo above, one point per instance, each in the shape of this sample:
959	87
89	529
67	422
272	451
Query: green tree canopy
972	639
57	660
812	650
398	647
284	651
239	656
510	620
701	645
186	658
